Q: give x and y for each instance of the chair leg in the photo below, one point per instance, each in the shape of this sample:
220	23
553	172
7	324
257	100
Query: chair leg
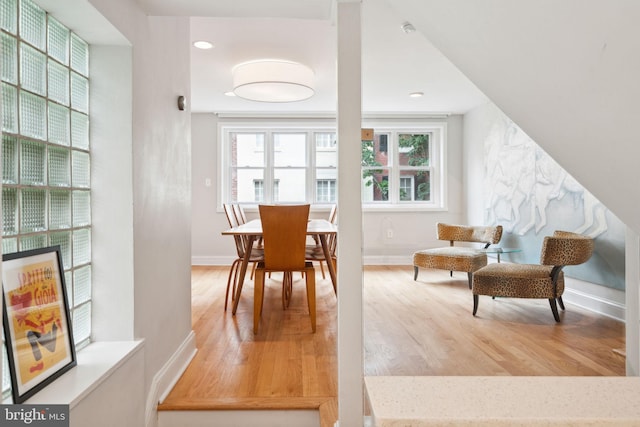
415	272
311	296
475	304
233	272
258	293
287	288
470	275
322	270
560	303
554	309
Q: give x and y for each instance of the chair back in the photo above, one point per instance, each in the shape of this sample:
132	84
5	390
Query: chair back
228	211
333	214
566	248
239	214
284	228
332	241
469	233
233	222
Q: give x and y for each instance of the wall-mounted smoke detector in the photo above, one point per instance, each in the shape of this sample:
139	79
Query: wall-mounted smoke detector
407	27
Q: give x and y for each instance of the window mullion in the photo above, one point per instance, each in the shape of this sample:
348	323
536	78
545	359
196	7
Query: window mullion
269	148
394	174
310	173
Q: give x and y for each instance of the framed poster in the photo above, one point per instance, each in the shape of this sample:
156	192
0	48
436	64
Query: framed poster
37	326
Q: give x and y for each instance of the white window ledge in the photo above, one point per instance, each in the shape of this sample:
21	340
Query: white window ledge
96	363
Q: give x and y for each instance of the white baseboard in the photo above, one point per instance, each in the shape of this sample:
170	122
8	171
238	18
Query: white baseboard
168	375
388	260
595	302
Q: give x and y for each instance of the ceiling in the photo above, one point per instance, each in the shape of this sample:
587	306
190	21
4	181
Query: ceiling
394	63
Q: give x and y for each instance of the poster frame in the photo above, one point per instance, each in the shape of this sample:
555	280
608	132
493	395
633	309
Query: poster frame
36	320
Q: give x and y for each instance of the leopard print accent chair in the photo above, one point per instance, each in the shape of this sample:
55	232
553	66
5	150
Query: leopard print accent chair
544	280
458	258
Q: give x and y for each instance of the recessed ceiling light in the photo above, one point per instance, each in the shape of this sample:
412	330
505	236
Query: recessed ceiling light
416	94
230	93
203	44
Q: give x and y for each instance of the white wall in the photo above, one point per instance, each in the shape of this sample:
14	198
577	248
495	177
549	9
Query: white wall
111	234
206	241
477	124
162	190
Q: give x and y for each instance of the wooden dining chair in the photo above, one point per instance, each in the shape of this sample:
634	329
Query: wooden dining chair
241	218
239	213
256	255
284	228
314	252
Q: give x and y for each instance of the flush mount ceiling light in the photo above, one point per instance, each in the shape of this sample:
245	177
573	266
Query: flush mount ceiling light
416	94
273	80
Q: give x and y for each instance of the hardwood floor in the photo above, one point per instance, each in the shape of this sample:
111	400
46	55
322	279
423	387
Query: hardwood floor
284	366
426	328
422	327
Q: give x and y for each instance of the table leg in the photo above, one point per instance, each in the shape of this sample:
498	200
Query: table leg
243	270
330	266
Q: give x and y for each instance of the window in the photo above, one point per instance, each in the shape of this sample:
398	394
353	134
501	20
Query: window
406	188
258	185
46	198
326	167
326	141
279	165
289	167
383	143
326	190
402	166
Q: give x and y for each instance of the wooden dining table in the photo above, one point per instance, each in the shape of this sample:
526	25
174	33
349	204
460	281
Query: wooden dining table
252	230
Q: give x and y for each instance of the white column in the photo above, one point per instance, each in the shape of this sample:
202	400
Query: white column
350	342
632	296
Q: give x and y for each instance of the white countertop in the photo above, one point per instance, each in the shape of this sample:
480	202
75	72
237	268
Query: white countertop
503	401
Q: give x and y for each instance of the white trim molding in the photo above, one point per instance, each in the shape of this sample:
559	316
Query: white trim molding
595	298
168	375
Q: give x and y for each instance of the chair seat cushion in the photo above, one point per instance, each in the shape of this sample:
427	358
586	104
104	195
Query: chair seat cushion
452	258
314	250
516	280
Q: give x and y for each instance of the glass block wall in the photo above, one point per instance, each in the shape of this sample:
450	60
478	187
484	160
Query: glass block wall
46	162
